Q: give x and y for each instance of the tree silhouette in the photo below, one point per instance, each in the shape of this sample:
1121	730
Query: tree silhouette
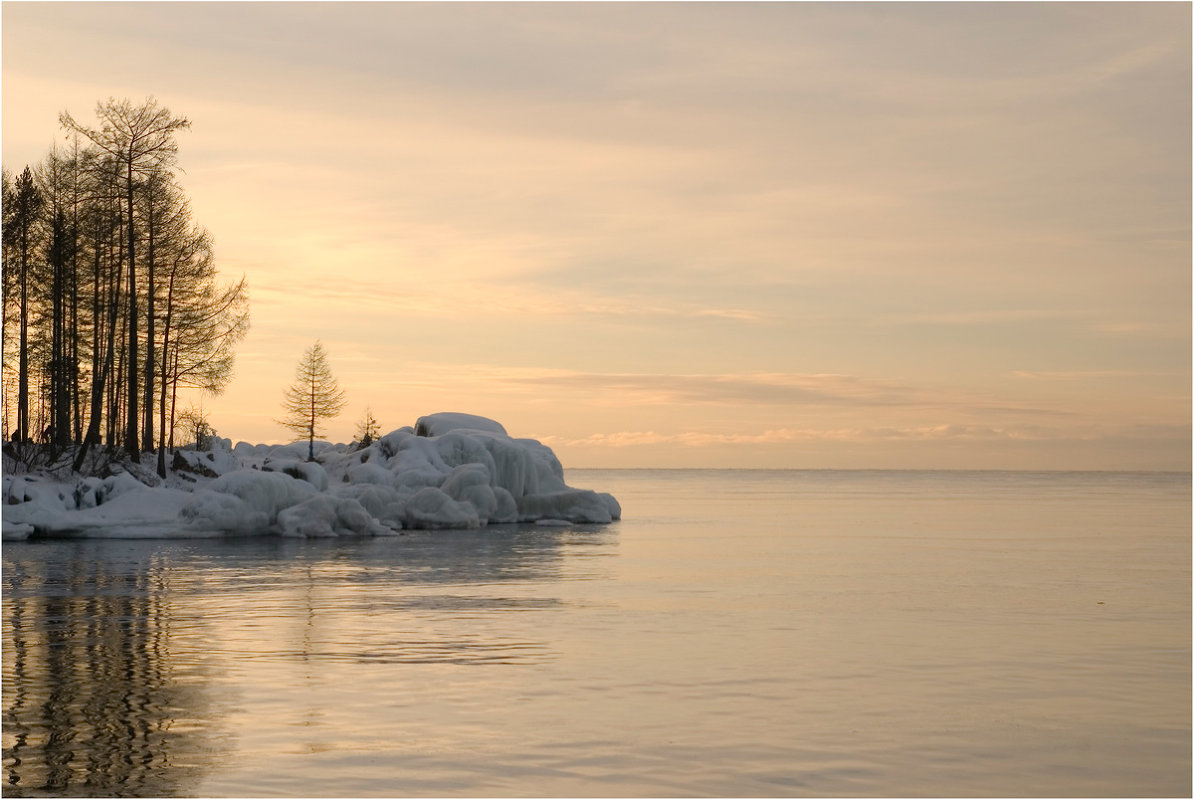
141	139
368	429
115	290
20	220
313	397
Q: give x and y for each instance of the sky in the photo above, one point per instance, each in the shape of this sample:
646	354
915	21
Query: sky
776	235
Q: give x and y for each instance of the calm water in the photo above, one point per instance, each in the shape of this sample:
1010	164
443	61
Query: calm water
738	633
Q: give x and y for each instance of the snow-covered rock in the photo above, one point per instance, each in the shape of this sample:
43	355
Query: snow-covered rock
327	515
574	505
308	471
448	421
141	512
210	464
384	504
447	471
432	508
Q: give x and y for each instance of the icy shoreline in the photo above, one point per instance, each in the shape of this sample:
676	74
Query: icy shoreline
448	471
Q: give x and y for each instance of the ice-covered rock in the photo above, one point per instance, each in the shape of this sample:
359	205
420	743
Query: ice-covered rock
209	464
118	505
386	505
327	515
246	501
574	505
447	471
448	421
470	483
135	512
432	508
308	471
226	513
370	474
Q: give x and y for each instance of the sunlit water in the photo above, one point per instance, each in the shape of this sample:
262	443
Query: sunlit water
738	633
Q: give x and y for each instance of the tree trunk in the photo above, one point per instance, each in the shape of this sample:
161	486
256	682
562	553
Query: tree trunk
96	337
132	442
173	398
98	384
22	434
165	360
147	423
75	387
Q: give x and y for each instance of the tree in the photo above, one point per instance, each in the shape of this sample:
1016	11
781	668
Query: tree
194	421
141	139
21	221
58	177
201	322
114	288
313	397
368	428
106	298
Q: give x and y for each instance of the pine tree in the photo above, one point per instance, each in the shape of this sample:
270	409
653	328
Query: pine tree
368	428
312	398
22	220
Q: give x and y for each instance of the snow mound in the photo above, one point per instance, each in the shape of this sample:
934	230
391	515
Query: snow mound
447	421
456	470
326	515
449	470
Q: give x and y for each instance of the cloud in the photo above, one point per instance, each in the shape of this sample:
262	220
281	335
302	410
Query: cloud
732	192
938	433
725	389
1082	375
1001	316
443	299
1143	330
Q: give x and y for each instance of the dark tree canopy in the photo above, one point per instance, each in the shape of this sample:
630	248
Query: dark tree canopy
111	298
140	139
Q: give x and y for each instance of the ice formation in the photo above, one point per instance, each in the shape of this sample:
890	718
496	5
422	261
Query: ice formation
450	470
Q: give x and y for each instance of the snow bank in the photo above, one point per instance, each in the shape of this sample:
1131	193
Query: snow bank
117	506
449	470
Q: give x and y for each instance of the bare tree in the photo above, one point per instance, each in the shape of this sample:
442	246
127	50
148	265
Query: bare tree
21	221
141	138
312	398
107	290
368	429
202	322
193	420
58	176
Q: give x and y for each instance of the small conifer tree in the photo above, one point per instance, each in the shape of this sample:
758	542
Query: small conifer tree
368	428
312	398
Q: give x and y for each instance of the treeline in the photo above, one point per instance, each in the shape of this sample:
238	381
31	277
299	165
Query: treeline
111	298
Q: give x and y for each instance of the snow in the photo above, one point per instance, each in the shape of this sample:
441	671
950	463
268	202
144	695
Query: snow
447	421
448	471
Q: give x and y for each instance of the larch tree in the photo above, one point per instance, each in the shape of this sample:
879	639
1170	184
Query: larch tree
115	291
312	398
202	321
107	274
57	176
21	227
141	139
368	428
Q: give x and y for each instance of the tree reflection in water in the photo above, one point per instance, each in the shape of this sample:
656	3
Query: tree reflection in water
91	694
132	667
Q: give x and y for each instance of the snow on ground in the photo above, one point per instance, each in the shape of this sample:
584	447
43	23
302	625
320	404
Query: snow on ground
449	471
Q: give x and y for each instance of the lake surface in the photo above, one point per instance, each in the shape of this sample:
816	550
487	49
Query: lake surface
738	633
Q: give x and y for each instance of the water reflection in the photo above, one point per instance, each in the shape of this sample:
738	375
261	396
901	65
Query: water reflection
419	599
91	695
124	659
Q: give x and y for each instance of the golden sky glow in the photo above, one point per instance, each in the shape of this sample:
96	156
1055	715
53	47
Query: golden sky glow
773	235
